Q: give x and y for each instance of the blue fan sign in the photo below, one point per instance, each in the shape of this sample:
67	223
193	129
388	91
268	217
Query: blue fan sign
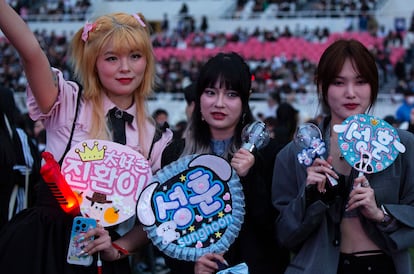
193	206
368	144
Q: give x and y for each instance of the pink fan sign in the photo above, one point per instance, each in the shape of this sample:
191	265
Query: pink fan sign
367	143
107	179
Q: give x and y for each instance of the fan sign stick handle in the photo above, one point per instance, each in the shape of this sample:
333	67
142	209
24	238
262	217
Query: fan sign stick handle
99	263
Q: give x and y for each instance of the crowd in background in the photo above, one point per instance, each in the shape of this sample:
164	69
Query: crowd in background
289	8
52	10
174	73
281	76
64	9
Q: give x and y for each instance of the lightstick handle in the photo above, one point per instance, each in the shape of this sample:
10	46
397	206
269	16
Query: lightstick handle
249	147
331	179
255	136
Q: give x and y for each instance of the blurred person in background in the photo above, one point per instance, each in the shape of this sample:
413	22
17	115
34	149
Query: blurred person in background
19	161
287	118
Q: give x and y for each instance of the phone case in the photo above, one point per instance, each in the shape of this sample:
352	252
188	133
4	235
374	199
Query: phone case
80	226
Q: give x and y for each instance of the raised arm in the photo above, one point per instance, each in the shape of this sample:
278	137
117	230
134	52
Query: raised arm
34	60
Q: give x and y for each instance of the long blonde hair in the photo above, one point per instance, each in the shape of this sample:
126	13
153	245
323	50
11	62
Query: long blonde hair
127	33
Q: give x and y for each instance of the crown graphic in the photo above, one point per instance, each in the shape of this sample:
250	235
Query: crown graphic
91	154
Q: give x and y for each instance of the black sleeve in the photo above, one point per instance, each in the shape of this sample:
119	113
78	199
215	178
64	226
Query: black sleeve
411	127
257	186
172	152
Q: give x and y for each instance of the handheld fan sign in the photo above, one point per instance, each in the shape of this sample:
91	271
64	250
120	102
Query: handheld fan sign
367	143
193	206
107	178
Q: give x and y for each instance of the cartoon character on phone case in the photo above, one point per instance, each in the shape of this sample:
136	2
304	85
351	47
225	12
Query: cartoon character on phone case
80	226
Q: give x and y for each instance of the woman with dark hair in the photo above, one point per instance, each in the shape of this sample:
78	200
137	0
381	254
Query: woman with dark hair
221	112
364	224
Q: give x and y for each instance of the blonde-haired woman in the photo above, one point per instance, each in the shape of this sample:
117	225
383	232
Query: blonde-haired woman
114	63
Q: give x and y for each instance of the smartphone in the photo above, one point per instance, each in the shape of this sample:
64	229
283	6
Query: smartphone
80	226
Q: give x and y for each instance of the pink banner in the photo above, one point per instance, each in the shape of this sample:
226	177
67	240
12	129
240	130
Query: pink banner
107	178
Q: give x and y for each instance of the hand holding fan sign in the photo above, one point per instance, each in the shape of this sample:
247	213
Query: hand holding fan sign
192	207
195	205
367	143
107	178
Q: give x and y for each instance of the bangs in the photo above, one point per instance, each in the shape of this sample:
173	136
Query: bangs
228	70
226	75
223	82
125	40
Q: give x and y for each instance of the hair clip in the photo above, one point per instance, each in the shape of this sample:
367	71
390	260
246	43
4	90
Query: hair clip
86	29
139	20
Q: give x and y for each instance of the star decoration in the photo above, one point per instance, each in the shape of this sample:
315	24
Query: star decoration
191	228
182	178
217	234
221	214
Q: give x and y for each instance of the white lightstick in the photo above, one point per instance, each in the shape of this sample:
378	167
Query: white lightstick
255	135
